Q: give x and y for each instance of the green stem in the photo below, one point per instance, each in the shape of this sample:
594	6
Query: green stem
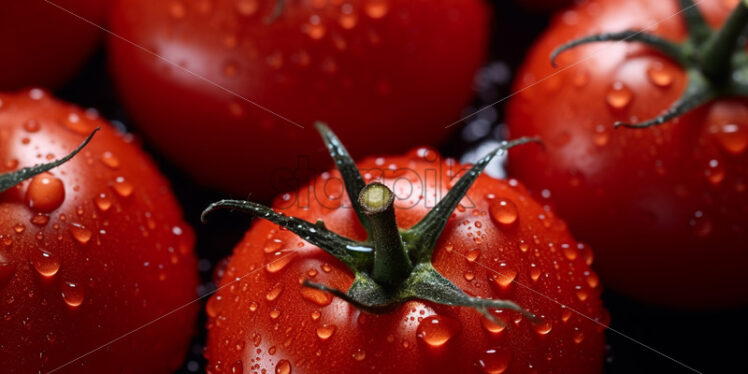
391	263
720	48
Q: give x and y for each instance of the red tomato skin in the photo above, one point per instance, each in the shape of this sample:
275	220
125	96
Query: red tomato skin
665	208
116	246
254	327
45	45
406	74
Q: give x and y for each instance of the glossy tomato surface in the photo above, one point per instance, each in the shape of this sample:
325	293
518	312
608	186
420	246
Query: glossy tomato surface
385	74
666	208
499	244
43	44
89	251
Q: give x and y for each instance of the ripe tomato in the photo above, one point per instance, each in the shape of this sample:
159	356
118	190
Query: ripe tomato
665	207
399	67
43	44
89	251
499	243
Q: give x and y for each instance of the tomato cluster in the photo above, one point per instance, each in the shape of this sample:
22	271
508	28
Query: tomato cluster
397	259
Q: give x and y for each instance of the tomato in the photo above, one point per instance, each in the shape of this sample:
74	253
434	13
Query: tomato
380	66
89	251
664	207
498	244
43	44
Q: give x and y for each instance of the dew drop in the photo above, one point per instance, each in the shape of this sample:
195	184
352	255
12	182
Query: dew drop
72	293
348	19
279	261
46	264
237	367
715	172
592	279
473	254
275	313
377	8
19	228
359	355
542	325
660	75
80	233
534	272
31	126
283	367
103	201
577	335
732	137
7	267
315	29
45	193
316	296
40	219
122	187
274	292
504	212
324	332
214	306
494	361
619	96
177	10
247	7
492	327
253	306
505	277
109	160
436	331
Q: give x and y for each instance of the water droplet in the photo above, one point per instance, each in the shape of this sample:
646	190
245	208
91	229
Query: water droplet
469	276
542	325
570	252
80	233
324	332
377	8
715	172
45	193
359	355
253	306
601	137
47	264
31	126
732	137
473	254
619	96
348	19
275	313
494	361
283	367
237	367
19	228
109	160
177	10
437	330
103	201
577	335
534	272
247	7
316	296
214	306
315	29
505	277
122	187
40	219
7	267
72	293
492	327
504	212
660	75
279	261
274	292
592	279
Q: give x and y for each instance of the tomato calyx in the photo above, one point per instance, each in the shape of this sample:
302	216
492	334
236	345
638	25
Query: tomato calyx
715	60
393	265
9	180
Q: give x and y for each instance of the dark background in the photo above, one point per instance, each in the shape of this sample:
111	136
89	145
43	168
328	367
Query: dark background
710	342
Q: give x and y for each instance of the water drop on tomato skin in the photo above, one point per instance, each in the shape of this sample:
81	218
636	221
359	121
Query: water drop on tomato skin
274	292
619	96
504	212
109	160
316	296
46	263
7	267
324	332
733	138
279	261
122	187
436	331
377	8
237	367
494	361
542	325
359	355
80	233
214	306
660	75
45	193
283	367
72	293
103	201
348	19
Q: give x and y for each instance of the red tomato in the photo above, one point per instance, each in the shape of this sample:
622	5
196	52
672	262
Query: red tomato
89	251
664	207
396	70
499	244
43	44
